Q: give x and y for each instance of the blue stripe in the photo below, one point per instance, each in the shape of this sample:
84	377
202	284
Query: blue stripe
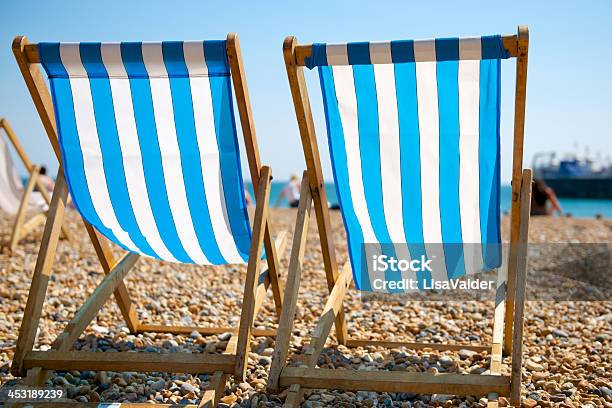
335	135
72	155
131	54
358	53
191	165
112	157
408	116
448	108
318	56
493	47
225	129
490	86
369	147
402	51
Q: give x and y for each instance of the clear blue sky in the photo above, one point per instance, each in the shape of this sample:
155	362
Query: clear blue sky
569	96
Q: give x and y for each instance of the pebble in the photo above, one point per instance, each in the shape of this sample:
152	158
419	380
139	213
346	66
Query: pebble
566	343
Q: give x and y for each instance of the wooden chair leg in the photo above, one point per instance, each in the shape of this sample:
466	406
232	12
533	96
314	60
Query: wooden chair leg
80	321
285	325
250	287
213	394
23	209
521	280
319	336
40	278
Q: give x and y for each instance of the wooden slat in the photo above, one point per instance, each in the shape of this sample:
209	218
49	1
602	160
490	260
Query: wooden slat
303	112
40	277
328	316
16	234
395	381
154	328
250	287
521	279
305	50
216	386
75	404
517	169
128	361
80	321
285	325
243	103
417	346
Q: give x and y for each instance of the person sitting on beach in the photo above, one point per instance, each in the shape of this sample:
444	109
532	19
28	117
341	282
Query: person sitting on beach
540	196
45	179
291	192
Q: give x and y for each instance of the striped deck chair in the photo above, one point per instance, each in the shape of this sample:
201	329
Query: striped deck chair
15	200
148	147
413	132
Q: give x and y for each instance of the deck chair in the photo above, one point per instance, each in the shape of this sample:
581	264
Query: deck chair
149	152
15	200
413	132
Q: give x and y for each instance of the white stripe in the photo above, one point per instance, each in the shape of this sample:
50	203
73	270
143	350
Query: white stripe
337	54
130	149
469	135
429	141
347	106
171	157
390	163
90	144
209	151
11	188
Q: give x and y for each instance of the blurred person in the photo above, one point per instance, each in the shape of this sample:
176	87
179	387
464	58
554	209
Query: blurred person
541	195
291	192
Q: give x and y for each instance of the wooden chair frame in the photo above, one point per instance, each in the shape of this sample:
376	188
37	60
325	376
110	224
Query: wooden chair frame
508	321
22	228
233	361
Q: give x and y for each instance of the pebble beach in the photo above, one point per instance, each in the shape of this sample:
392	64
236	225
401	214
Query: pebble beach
567	341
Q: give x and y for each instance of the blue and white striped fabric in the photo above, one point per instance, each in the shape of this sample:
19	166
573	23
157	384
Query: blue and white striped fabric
413	129
149	146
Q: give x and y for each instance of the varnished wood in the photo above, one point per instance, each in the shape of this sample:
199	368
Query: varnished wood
520	99
17	232
285	325
395	381
416	345
40	277
303	112
247	314
521	280
243	103
205	331
82	319
127	361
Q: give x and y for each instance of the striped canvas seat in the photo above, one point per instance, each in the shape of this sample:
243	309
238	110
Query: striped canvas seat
413	129
149	146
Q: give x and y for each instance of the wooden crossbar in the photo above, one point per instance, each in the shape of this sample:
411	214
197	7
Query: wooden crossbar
304	51
131	361
204	331
416	345
395	381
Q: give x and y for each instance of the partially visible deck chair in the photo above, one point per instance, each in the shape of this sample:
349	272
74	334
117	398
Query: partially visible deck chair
413	131
14	199
149	153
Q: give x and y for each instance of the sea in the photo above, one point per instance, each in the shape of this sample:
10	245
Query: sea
578	208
